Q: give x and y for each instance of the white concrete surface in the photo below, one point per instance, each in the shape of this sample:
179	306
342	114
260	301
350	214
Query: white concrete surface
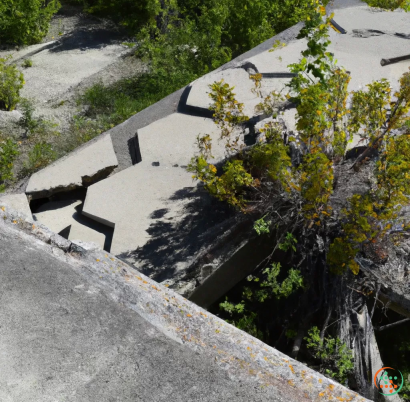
172	140
238	77
9	118
84	233
18	202
360	56
131	197
57	215
67	172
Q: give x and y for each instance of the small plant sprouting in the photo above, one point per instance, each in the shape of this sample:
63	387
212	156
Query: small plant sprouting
336	359
27	63
288	243
261	226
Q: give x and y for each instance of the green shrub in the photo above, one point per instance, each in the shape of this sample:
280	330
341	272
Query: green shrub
389	4
11	81
8	154
129	13
35	127
27	63
336	359
25	22
40	156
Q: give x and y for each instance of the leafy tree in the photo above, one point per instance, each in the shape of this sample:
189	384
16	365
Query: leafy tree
25	22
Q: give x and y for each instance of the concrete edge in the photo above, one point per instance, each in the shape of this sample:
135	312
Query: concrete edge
244	358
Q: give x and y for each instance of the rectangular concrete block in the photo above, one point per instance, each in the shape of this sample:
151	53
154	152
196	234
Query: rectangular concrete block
86	234
238	77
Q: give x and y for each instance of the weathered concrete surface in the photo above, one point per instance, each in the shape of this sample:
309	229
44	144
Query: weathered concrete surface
7	118
134	199
148	205
82	232
94	161
172	140
122	133
57	215
361	56
18	202
239	78
82	326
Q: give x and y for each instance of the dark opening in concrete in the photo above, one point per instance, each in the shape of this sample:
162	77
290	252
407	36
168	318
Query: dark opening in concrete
61	200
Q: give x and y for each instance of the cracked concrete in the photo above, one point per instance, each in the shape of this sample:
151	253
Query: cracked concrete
90	163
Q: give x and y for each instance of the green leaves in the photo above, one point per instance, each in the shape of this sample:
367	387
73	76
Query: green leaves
336	359
288	243
11	82
8	154
261	226
25	22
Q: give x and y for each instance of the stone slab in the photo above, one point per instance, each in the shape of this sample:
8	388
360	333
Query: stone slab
359	55
238	77
18	202
57	215
86	234
172	140
9	118
131	199
87	164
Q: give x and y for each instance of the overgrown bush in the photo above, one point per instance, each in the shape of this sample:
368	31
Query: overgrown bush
8	154
262	180
41	155
25	22
389	4
265	286
336	359
11	81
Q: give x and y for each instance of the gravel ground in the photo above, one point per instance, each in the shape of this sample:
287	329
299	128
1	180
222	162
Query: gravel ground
78	51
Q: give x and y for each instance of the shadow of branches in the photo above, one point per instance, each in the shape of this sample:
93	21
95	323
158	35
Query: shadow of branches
175	241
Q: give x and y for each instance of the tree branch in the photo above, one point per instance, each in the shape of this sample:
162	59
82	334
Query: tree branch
394	324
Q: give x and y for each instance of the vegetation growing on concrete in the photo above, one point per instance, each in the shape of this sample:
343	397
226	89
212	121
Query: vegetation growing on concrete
389	4
293	200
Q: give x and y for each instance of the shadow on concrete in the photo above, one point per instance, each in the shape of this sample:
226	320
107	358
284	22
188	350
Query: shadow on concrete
85	39
175	241
62	200
107	231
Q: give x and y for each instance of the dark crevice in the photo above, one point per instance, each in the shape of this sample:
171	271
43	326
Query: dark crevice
134	149
78	194
183	108
65	232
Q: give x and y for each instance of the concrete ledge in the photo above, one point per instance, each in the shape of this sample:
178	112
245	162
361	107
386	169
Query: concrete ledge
269	374
78	169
